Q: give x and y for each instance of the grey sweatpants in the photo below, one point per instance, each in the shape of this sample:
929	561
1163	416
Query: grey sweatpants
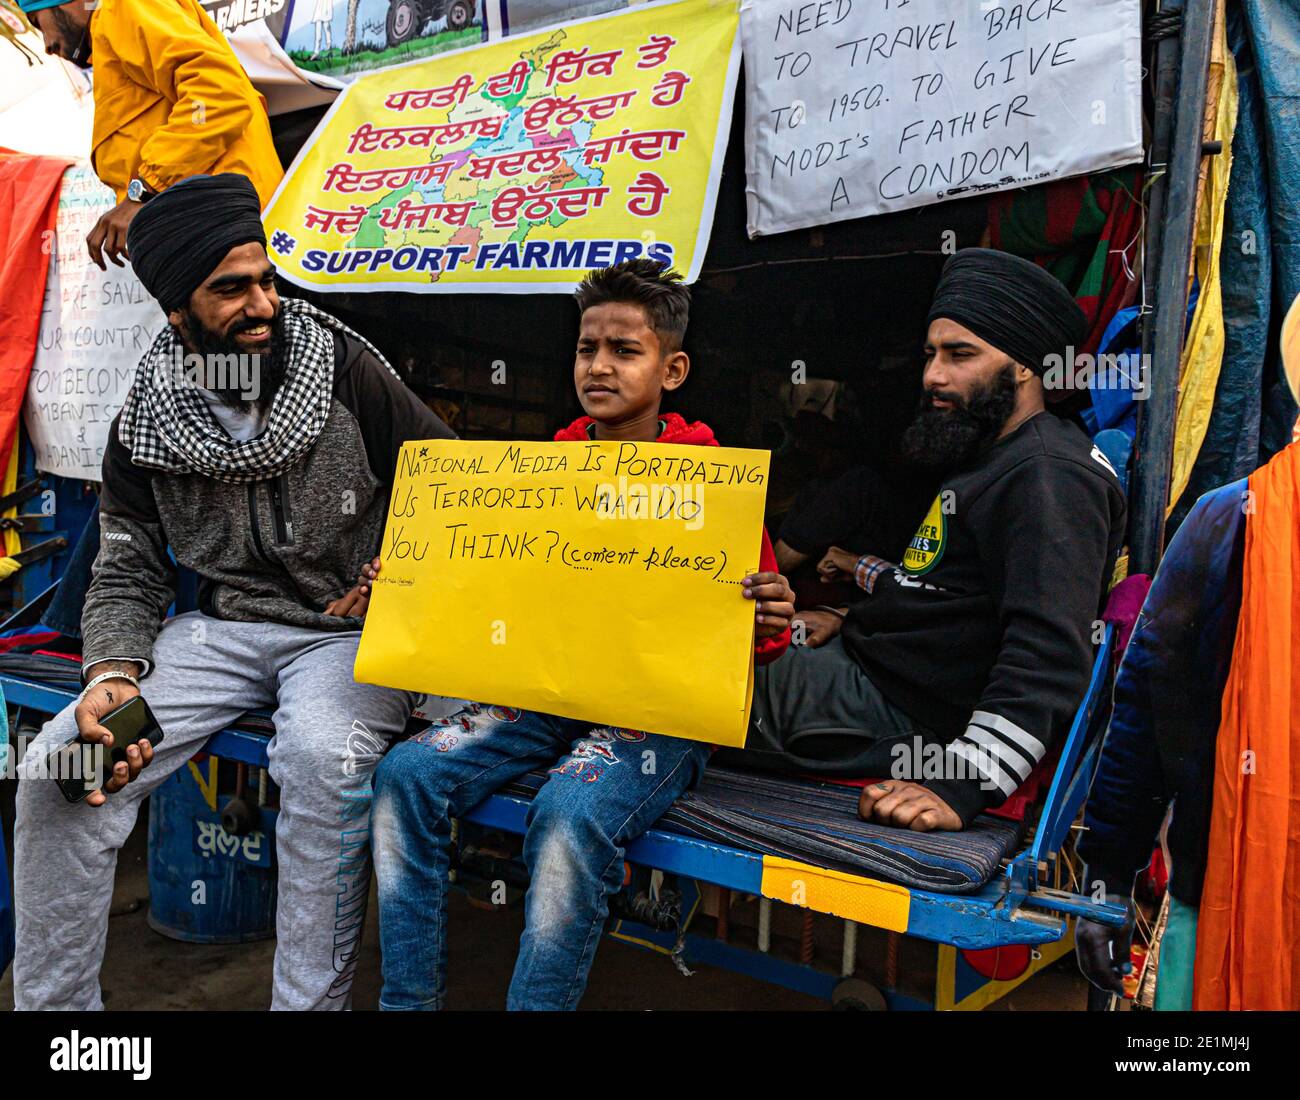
816	710
329	734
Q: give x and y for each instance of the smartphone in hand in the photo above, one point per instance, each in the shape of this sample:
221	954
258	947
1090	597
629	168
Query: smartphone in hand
80	767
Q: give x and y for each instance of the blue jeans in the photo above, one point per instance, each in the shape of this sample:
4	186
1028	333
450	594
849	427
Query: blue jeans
605	787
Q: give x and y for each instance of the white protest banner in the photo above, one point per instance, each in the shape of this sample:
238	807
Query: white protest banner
857	107
95	326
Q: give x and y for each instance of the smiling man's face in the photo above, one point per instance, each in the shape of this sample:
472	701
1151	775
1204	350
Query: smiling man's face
237	301
236	311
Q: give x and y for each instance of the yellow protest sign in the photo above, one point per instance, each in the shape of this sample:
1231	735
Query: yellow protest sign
599	581
521	164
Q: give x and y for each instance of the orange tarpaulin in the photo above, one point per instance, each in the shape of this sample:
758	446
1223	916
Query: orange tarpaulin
29	203
1248	932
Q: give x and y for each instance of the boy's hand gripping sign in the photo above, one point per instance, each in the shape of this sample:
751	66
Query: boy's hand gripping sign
598	581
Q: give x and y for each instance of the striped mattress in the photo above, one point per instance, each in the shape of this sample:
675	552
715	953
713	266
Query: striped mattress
817	823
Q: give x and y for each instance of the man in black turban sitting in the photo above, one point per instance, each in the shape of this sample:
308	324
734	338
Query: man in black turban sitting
954	675
257	445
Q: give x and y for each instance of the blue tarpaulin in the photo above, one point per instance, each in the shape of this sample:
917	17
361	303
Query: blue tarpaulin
1260	261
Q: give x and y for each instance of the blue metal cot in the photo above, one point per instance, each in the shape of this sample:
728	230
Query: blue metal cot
990	897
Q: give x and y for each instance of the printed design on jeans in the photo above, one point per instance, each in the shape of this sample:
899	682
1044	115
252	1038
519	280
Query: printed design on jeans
589	758
444	734
505	714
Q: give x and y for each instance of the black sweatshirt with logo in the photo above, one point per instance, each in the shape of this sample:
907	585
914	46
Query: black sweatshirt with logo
983	634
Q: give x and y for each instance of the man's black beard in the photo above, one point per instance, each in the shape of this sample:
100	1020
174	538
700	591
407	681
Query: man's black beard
944	439
271	364
76	40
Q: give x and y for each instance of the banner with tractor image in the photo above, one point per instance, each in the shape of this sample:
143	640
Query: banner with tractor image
339	40
344	38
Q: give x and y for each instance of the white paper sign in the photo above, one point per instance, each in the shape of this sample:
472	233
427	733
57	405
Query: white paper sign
95	326
857	107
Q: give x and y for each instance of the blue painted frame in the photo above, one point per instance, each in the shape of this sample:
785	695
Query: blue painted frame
1072	778
1014	908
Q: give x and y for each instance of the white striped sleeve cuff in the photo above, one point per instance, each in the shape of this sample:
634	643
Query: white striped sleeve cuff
1000	752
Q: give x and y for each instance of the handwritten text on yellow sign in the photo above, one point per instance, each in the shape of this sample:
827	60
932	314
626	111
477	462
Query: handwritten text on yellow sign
599	581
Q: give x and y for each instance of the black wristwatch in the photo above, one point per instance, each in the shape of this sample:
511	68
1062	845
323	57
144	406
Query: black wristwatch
138	191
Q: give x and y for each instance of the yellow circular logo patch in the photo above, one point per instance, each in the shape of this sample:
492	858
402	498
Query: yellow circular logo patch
926	548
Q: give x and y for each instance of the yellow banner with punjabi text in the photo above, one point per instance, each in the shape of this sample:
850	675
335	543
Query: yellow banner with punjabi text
599	581
519	165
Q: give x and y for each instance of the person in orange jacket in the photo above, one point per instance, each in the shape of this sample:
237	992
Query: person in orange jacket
171	101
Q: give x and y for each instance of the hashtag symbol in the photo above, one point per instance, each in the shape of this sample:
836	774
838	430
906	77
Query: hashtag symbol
282	242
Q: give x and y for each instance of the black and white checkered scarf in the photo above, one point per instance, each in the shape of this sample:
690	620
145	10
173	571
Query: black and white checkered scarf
166	423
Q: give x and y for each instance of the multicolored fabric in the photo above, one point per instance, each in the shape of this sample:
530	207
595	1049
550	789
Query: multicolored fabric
869	569
1085	231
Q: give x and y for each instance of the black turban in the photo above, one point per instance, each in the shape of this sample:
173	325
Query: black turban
180	236
1011	303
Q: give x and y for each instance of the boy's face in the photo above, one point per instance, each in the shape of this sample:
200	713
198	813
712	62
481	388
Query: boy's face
620	369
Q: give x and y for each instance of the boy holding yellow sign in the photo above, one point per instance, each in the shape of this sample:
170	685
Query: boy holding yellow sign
606	785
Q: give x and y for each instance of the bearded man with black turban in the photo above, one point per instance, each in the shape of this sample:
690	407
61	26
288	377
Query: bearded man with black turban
256	448
964	662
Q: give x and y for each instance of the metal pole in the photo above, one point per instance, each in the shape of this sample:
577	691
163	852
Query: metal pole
1176	214
1164	86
